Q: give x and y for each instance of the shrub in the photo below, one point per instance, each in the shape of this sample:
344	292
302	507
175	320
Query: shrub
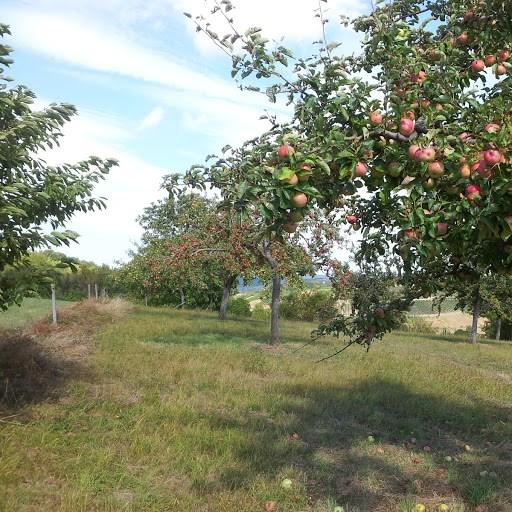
260	312
490	329
239	307
417	324
308	306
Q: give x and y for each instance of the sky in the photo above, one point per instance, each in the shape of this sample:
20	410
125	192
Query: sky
150	91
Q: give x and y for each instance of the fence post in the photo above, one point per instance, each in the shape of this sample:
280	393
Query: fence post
54	304
89	291
96	291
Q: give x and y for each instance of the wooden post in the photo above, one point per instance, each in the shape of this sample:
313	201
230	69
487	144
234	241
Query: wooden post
146	300
89	291
54	304
96	291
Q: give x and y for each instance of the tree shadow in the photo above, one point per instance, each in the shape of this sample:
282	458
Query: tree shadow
354	445
29	373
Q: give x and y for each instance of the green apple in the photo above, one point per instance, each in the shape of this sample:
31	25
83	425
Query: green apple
286	483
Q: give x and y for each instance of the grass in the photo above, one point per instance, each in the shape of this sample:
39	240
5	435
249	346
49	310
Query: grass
179	411
30	310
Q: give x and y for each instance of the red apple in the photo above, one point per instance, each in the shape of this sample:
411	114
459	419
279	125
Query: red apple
442	228
464	136
490	60
361	169
462	39
406	126
492	157
473	191
500	69
419	77
425	103
503	55
469	16
477	66
351	219
299	200
413	149
410	233
376	118
284	151
492	127
427	154
436	169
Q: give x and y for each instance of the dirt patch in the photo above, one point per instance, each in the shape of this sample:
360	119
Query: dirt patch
38	360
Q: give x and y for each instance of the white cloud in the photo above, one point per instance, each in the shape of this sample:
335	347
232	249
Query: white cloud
91	46
108	235
154	118
291	20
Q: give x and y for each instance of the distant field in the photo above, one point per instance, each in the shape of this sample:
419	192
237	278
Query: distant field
179	411
30	310
424	307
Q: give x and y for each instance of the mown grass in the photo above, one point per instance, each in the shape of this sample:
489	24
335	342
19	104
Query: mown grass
182	412
31	309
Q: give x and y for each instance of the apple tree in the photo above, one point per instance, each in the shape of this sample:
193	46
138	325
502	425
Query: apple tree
409	139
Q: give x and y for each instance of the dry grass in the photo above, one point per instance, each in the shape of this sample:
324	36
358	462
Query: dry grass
41	357
182	412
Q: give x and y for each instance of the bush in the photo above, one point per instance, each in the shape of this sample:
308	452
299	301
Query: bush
260	312
417	324
308	306
239	307
490	329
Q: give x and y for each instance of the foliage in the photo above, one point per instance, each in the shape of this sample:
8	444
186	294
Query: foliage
238	306
308	306
409	139
33	193
491	327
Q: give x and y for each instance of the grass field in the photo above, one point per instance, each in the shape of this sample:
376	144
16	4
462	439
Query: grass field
31	309
178	411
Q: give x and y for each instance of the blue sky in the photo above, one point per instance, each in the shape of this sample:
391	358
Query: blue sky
151	92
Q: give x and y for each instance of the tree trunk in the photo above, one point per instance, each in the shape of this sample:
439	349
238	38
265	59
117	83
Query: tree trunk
476	315
276	300
182	298
228	283
498	329
276	292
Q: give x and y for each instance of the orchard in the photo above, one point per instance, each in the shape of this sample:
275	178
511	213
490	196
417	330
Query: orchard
409	140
